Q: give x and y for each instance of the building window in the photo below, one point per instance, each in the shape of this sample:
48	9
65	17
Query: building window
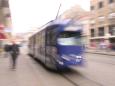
92	33
101	31
92	7
100	4
112	29
111	1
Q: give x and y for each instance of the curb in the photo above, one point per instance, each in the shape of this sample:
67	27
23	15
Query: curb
100	53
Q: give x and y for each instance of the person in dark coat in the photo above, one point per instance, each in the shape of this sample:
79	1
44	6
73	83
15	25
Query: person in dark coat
14	51
6	50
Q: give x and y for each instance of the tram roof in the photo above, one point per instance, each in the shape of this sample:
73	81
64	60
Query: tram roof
60	22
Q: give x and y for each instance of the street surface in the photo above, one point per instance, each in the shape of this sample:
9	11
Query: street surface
98	71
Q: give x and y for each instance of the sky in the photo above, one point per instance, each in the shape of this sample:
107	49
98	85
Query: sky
29	14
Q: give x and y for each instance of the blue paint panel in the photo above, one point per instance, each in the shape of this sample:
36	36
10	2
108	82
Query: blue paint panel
71	55
70	50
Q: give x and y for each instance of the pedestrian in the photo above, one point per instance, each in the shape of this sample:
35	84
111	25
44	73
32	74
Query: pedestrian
14	51
6	50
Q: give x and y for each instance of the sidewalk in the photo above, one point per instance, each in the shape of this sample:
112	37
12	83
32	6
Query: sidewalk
103	52
24	75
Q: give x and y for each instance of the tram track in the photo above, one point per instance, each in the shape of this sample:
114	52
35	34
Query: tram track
78	79
69	80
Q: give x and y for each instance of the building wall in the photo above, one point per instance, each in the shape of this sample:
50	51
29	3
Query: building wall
103	16
5	20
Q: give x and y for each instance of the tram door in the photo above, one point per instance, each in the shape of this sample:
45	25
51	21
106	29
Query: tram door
51	49
34	44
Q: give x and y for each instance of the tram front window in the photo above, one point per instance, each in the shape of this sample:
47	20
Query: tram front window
70	38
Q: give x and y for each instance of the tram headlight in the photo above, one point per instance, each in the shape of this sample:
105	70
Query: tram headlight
79	57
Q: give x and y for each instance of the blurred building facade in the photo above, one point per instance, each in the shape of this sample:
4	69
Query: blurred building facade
5	22
102	21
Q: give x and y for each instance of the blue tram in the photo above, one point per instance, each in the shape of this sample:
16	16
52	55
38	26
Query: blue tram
58	45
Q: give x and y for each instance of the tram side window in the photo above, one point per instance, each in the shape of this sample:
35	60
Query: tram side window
51	37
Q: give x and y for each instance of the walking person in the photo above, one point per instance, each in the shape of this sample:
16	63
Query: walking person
14	51
6	50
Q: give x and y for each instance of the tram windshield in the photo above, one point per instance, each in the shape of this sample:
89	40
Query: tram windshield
70	38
